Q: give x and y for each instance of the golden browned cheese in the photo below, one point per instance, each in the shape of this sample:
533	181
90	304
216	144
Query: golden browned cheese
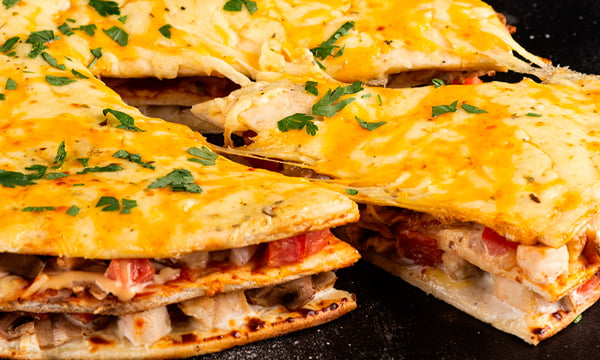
525	167
225	205
166	39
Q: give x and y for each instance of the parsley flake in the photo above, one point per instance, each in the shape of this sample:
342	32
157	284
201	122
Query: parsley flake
327	47
298	121
105	8
12	178
327	105
110	203
179	180
38	208
442	109
578	319
118	35
88	29
2	97
56	175
10	84
84	161
65	29
236	5
78	75
9	3
203	155
59	80
472	109
9	44
107	168
126	121
165	31
38	39
52	61
135	158
97	54
437	83
73	210
123	19
351	191
533	114
367	125
61	154
128	205
311	88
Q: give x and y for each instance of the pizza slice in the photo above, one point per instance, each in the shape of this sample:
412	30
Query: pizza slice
484	195
135	44
125	236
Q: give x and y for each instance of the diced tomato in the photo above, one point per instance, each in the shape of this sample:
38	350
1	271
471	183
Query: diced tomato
294	249
590	286
469	81
418	247
495	243
130	272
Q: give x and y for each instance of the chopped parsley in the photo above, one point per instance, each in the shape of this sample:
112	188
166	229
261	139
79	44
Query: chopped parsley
9	44
78	75
236	5
437	83
105	8
10	84
178	180
39	208
442	109
88	29
165	31
13	178
368	125
108	203
472	109
9	3
327	47
38	39
56	175
126	121
533	114
97	54
40	170
52	61
311	88
351	191
128	205
123	19
107	168
84	161
73	210
327	105
65	29
379	100
578	319
135	158
59	80
203	155
2	97
118	35
298	121
61	154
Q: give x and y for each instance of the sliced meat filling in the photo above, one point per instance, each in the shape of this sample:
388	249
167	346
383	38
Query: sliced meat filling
222	311
458	248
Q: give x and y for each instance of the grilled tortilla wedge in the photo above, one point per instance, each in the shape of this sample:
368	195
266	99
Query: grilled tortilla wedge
495	185
127	236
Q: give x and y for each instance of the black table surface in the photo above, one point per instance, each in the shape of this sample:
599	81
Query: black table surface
397	321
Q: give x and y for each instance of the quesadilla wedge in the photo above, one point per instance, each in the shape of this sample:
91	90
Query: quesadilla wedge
125	236
398	43
486	196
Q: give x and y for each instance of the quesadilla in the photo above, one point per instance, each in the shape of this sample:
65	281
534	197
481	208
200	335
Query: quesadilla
125	236
398	43
486	195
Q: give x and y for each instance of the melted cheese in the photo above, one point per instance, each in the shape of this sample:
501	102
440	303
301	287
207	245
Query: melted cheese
206	40
530	178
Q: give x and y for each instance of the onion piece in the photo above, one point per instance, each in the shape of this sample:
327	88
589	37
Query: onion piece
241	256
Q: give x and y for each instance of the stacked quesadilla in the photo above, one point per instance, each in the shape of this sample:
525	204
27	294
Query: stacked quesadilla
125	236
486	195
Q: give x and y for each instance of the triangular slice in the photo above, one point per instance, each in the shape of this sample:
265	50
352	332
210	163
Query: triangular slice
126	236
481	194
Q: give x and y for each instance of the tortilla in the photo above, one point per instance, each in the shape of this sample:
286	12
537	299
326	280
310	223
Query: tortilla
474	166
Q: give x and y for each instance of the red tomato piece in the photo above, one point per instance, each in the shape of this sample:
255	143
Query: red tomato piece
316	241
130	272
468	81
418	247
286	251
495	243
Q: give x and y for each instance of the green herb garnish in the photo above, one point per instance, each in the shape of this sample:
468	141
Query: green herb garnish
73	210
88	29
351	191
311	88
65	29
110	203
179	180
118	35
236	5
105	8
327	47
128	205
472	109
126	121
9	44
52	61
59	80
442	109
367	125
298	121
107	168
533	114
327	105
165	31
9	3
39	208
56	175
135	158
61	154
203	155
97	54
10	84
78	75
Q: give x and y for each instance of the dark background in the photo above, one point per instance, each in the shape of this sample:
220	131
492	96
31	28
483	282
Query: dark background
397	321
